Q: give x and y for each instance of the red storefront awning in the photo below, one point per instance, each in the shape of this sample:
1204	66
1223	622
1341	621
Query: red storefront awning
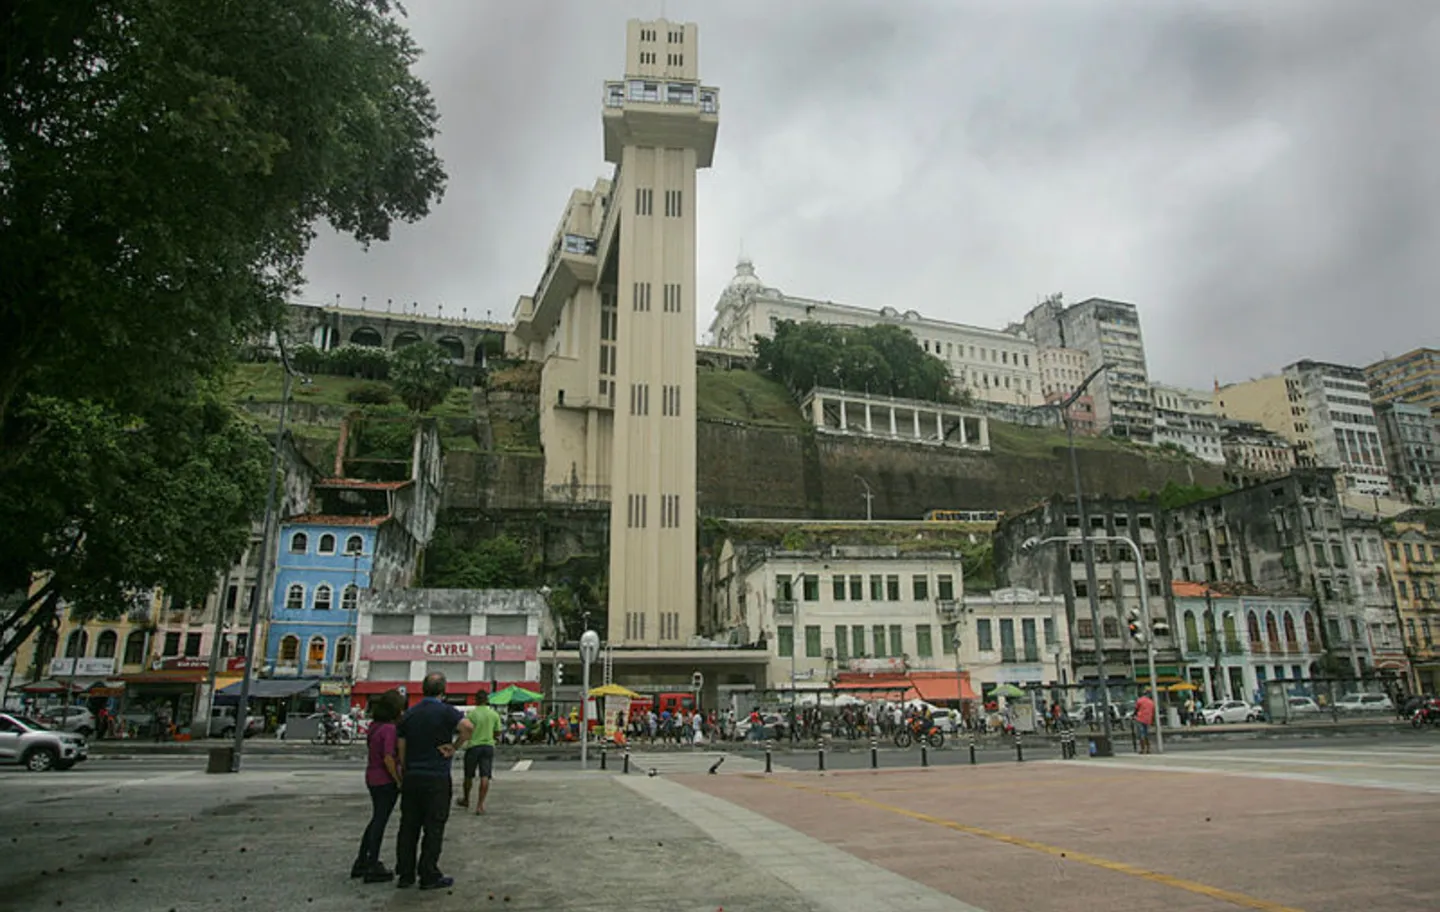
931	686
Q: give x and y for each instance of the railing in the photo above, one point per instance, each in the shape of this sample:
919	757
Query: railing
784	607
649	91
577	494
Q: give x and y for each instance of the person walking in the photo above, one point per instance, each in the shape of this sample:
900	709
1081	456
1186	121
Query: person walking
480	754
1144	718
429	734
382	777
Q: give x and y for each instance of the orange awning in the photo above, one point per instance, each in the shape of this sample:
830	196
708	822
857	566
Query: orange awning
931	686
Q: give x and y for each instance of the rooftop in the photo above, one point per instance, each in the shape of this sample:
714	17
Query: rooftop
332	519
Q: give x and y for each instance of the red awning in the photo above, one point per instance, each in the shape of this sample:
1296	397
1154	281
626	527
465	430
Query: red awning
932	687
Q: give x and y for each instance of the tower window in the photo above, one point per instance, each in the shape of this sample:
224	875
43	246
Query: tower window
672	203
677	36
644	201
639	398
671	402
641	297
637	508
672	297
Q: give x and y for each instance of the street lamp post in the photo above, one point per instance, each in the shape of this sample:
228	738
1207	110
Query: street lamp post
869	498
589	649
1143	585
262	576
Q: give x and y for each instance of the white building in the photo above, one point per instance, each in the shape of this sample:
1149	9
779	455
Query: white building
1187	419
481	640
994	366
1233	645
1342	423
1014	636
1109	333
888	418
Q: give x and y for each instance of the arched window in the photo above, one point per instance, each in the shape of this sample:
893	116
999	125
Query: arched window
299	542
1312	635
350	597
344	654
327	544
295	597
105	644
315	655
354	545
289	649
76	643
1290	638
1272	629
1232	636
367	337
1252	626
135	647
1192	634
322	597
49	640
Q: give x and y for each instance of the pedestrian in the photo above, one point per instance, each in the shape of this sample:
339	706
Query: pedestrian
429	735
382	778
480	754
1144	718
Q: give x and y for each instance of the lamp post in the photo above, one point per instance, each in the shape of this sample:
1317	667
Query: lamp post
589	648
1086	541
1142	584
262	577
869	498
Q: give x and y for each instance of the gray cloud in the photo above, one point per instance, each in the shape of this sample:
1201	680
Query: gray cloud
1260	179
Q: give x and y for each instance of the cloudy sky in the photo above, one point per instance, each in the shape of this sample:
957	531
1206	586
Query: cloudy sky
1261	178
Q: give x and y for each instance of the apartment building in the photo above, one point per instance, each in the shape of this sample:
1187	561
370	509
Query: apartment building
1186	419
1325	410
1014	636
1109	333
1062	370
1412	551
992	365
1410	436
1413	377
1253	453
613	321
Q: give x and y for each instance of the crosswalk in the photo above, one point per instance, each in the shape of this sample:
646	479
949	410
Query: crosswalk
1405	769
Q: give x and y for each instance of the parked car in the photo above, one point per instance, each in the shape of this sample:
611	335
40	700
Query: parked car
37	747
774	726
1365	702
222	723
1303	706
76	719
1229	711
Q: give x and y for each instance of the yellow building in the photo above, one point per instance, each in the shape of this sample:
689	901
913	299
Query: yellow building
1413	377
1413	555
1275	404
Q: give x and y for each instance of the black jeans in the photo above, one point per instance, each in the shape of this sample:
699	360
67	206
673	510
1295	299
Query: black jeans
382	802
424	805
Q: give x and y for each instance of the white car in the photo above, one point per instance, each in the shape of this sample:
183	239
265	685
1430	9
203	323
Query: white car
1365	702
75	719
1229	711
1303	706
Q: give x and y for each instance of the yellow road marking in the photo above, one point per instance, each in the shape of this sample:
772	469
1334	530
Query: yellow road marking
1239	899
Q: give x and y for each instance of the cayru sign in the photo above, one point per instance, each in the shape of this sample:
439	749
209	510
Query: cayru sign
397	648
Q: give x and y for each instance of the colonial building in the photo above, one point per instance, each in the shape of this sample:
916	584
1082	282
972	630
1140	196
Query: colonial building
1253	453
992	365
1186	419
481	640
1235	639
888	418
1413	555
1014	636
1109	333
613	319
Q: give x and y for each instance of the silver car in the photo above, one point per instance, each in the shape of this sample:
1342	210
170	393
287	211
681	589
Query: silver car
37	748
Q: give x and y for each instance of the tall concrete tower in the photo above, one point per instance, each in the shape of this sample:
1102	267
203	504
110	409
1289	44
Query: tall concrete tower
660	127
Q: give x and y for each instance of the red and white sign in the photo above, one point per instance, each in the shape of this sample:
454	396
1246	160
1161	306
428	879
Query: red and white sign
385	648
198	663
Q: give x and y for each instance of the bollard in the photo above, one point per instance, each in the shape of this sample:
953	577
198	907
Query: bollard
767	756
1019	754
820	753
603	766
627	759
924	755
972	748
874	754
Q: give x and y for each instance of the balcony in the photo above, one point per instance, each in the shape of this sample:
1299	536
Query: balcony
784	608
572	264
949	608
578	495
662	113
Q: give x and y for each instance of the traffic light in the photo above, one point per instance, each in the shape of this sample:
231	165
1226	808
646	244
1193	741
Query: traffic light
559	674
1137	633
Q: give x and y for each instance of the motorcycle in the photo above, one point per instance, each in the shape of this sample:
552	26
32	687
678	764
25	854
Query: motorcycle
919	730
1427	714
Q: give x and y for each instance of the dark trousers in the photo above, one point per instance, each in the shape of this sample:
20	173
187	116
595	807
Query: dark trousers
424	805
382	802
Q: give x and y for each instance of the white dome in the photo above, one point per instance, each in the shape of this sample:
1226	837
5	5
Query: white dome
745	276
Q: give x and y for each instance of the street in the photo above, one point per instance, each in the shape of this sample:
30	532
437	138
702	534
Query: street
1241	825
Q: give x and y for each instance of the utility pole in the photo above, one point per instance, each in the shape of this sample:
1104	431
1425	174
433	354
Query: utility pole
869	499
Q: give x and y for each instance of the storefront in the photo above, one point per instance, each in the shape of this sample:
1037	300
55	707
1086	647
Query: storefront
460	693
173	685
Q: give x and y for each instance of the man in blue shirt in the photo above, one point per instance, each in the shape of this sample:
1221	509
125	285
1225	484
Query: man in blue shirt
429	734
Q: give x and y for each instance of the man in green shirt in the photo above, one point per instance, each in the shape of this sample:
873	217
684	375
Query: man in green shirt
480	753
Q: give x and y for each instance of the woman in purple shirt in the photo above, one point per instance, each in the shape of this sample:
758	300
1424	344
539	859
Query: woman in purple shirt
382	776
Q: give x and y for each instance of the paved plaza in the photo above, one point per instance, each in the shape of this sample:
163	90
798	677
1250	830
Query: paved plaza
1307	827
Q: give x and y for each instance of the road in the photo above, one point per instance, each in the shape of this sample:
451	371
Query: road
1257	825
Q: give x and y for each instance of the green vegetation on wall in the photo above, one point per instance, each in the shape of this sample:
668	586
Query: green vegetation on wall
501	562
884	360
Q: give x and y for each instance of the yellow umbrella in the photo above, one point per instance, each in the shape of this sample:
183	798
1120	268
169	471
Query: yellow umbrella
1183	685
614	690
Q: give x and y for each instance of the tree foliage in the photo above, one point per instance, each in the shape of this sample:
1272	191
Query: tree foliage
501	562
881	359
164	165
420	374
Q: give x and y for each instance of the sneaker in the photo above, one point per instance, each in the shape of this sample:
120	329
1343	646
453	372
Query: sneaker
438	883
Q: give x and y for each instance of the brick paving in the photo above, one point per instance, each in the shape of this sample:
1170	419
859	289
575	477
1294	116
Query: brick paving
1087	835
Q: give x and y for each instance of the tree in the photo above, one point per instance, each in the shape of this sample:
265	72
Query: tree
163	167
501	562
879	359
128	505
420	374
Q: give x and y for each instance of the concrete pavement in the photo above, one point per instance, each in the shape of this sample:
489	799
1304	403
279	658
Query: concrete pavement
1298	827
